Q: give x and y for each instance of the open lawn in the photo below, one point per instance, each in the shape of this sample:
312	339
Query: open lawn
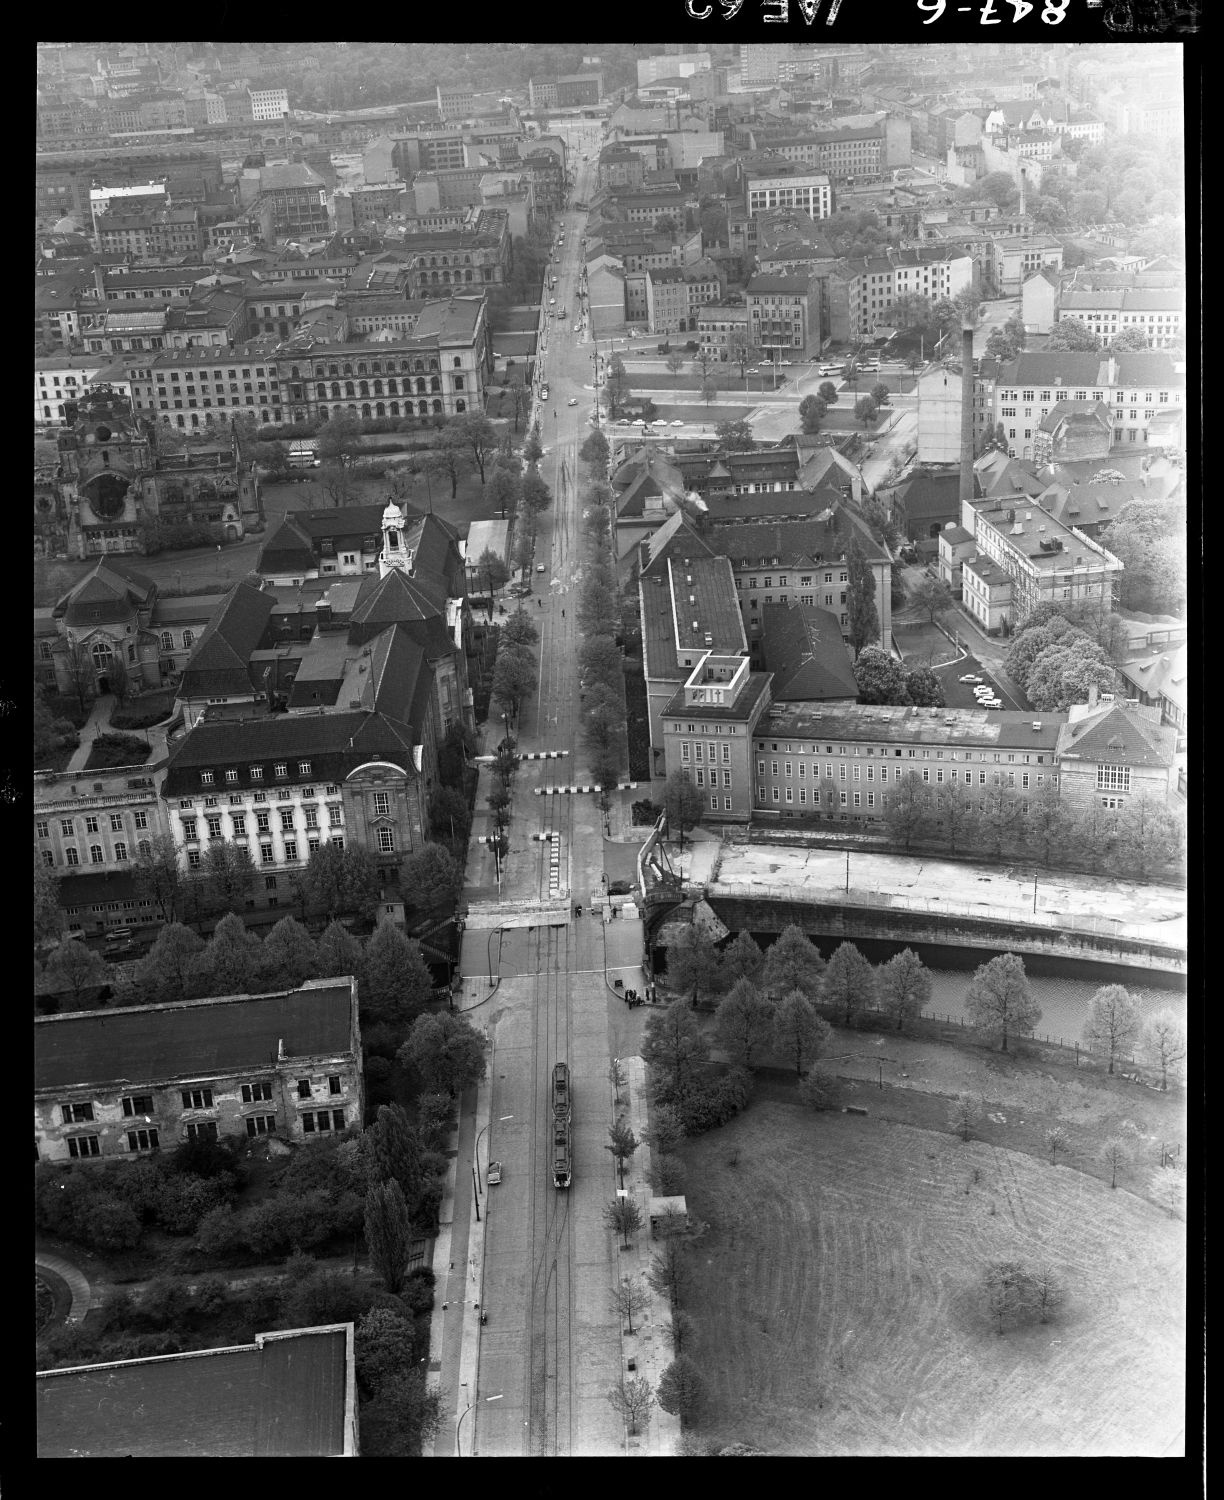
836	1293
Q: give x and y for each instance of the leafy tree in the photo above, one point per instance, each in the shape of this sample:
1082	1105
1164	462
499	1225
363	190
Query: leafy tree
338	951
401	1419
880	677
622	1216
694	966
1149	838
903	986
395	984
536	496
908	814
229	962
623	1143
743	959
798	1031
1047	823
931	595
74	969
1057	1138
515	674
866	410
1116	1154
504	490
683	803
1164	1040
475	429
924	688
448	814
849	982
964	1112
595	452
683	1390
793	962
599	658
429	877
227	874
633	1400
158	876
492	570
811	413
827	392
289	956
667	1176
339	437
860	598
447	1052
1113	1022
1148	538
533	448
666	1130
1065	672
1071	333
670	1270
743	1023
1128	339
954	816
48	918
630	1295
394	1153
457	744
999	999
674	1045
735	437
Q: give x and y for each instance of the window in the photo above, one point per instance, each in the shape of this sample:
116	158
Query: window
333	1084
281	768
261	1125
239	823
83	1145
1113	779
256	773
286	820
214	827
253	1093
77	1114
303	1088
142	820
265	854
142	1140
382	804
197	1098
202	1130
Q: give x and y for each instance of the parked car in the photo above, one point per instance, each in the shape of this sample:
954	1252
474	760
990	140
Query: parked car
970	677
677	423
494	1173
573	401
540	568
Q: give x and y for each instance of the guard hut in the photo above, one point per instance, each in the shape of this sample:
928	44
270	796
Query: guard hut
667	1216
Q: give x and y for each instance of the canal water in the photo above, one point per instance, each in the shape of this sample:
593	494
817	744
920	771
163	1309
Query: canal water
1062	987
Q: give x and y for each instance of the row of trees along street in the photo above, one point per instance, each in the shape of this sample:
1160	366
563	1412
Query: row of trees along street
769	1003
600	618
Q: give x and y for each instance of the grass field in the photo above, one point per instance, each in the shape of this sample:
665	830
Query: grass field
836	1295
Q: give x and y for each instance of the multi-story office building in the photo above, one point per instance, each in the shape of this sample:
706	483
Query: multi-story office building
675	295
132	1081
809	192
268	104
784	316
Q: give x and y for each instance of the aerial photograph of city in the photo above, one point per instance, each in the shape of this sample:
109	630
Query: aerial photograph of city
612	649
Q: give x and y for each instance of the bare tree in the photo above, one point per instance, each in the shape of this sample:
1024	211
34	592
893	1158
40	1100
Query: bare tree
1165	1042
633	1399
1116	1154
964	1113
623	1217
1113	1023
669	1269
629	1297
1045	1290
616	1076
682	1329
1057	1138
1006	1291
1168	1186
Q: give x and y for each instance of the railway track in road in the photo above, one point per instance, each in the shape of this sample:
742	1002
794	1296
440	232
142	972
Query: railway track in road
548	1397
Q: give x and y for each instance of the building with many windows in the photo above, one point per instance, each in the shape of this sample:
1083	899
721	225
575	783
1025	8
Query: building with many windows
843	761
676	294
268	104
1137	387
1110	752
809	192
1156	312
137	1080
784	316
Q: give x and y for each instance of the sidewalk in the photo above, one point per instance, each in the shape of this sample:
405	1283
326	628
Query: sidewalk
73	1277
97	723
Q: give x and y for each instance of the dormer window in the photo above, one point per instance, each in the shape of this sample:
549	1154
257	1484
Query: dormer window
281	768
303	768
256	773
206	778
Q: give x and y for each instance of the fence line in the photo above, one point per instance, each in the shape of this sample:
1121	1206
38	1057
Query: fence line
1110	927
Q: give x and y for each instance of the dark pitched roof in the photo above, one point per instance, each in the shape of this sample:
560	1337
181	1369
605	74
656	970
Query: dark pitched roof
333	743
825	538
194	1038
924	494
286	549
219	665
283	1396
1119	736
806	654
104	596
675	538
391	600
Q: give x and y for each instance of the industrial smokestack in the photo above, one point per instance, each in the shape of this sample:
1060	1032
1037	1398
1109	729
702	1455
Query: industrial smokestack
966	444
1022	181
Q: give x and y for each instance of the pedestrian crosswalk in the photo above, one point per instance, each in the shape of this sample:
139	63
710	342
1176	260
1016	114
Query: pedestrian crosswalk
563	791
543	754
